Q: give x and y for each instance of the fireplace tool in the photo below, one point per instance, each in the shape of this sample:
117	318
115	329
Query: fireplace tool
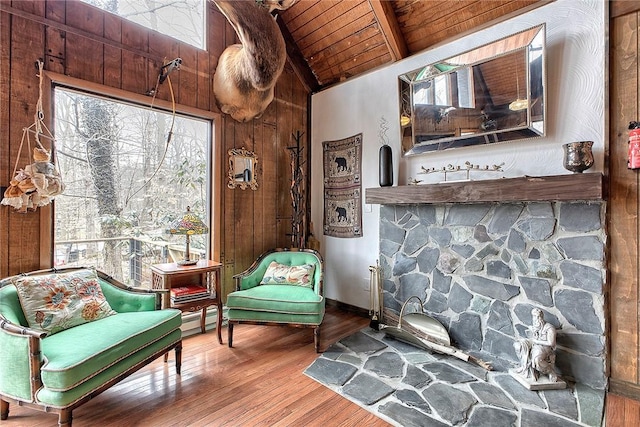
423	331
375	293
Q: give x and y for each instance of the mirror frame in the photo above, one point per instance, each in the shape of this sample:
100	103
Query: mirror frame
240	180
527	41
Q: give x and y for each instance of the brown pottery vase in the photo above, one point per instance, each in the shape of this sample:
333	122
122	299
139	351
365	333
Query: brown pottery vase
578	156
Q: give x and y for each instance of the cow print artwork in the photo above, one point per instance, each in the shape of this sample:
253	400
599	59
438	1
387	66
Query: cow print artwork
342	187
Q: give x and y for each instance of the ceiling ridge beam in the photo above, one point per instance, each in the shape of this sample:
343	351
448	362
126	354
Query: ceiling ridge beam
390	29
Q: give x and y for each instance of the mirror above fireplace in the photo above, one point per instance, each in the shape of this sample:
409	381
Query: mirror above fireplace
494	93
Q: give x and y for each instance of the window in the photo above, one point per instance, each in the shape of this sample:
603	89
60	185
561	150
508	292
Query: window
434	92
126	180
181	19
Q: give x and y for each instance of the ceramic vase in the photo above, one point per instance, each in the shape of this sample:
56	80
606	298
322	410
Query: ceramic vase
578	156
385	157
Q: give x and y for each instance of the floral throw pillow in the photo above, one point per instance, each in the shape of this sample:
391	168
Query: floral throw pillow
280	274
58	301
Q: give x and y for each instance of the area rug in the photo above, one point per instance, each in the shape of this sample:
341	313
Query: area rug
342	187
407	386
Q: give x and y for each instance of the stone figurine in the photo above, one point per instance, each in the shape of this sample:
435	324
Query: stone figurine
537	354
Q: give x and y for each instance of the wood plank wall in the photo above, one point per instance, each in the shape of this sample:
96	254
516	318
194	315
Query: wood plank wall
83	42
624	203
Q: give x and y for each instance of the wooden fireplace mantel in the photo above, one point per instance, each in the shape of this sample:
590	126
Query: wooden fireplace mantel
578	186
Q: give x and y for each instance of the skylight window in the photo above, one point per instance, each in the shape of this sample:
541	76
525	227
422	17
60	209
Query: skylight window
180	19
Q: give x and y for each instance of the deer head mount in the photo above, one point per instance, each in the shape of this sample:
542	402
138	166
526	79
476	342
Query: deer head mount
247	73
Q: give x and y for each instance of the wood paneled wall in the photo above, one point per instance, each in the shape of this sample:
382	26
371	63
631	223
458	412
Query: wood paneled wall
624	203
85	43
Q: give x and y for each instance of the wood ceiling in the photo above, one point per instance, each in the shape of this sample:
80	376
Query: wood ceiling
329	41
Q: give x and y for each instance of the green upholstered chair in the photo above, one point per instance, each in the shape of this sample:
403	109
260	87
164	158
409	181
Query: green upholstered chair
282	303
57	372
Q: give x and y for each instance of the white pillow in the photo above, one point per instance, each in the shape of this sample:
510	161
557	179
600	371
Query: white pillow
297	275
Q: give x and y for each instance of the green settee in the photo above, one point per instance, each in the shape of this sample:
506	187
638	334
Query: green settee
60	370
262	299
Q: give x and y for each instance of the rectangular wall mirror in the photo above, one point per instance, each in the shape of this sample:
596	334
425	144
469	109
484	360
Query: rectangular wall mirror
494	93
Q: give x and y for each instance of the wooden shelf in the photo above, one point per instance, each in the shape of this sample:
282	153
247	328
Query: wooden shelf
578	186
194	305
205	273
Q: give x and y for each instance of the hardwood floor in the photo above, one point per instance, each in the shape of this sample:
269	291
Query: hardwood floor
259	382
622	412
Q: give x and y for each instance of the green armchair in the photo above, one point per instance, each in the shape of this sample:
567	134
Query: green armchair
59	369
282	287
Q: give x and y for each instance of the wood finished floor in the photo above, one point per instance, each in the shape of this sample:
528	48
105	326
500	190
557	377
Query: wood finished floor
259	382
622	412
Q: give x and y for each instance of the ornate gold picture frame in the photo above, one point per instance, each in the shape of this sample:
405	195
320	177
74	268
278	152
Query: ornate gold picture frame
243	167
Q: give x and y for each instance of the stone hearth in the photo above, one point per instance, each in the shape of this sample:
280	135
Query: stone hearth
411	387
480	269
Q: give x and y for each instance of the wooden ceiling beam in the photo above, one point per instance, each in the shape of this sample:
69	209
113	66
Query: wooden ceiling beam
390	29
297	61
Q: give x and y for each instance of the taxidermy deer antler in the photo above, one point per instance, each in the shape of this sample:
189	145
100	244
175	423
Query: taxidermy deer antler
247	73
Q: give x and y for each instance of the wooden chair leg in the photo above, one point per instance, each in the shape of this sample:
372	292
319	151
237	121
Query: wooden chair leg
4	410
64	418
178	351
230	337
316	338
203	318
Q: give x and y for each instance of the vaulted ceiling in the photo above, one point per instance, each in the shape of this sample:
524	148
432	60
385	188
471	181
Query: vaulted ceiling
329	41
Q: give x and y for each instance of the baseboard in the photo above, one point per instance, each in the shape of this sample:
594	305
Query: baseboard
191	321
362	312
623	388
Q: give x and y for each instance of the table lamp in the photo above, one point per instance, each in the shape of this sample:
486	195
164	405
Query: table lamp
188	224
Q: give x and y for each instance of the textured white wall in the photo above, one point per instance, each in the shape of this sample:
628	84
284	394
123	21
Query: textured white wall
576	77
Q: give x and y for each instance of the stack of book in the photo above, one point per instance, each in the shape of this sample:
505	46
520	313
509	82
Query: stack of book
188	293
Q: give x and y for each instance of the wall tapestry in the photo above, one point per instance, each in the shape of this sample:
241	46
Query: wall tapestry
342	187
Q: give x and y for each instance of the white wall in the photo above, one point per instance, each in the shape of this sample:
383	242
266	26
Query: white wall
576	76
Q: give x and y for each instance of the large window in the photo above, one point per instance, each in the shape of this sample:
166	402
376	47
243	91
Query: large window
181	19
126	180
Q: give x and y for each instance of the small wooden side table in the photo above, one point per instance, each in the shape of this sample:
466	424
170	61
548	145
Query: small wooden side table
205	273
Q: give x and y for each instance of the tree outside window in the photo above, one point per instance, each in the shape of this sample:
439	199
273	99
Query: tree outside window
180	19
126	180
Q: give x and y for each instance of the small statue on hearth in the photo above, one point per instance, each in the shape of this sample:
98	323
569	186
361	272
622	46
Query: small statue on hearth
537	353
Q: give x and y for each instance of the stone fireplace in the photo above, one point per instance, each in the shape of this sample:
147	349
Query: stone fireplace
481	259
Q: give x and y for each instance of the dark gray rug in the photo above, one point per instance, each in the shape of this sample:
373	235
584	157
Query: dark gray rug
407	386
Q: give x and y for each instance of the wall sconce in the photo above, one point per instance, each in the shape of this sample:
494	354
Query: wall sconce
188	225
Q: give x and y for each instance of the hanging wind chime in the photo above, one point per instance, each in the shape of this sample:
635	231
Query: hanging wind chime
39	182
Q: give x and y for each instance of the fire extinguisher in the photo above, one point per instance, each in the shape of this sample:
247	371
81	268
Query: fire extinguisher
634	146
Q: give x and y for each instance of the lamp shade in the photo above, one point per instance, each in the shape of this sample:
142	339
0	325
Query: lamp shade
519	104
188	224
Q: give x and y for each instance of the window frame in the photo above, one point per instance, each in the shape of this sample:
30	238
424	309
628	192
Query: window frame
52	80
